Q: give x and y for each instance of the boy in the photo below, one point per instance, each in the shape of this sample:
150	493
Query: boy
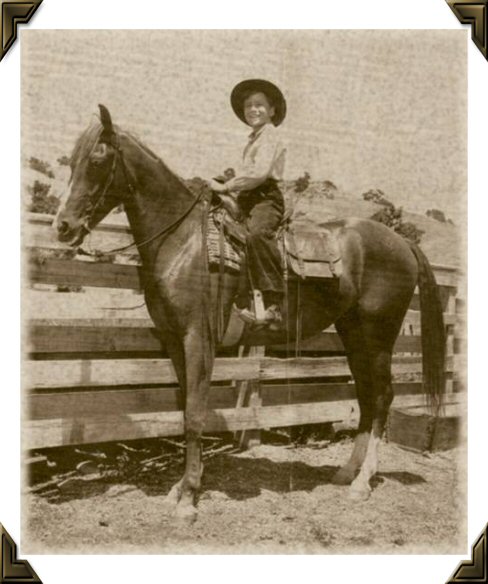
262	106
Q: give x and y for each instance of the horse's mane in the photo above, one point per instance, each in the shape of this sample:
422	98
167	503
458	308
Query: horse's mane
89	137
171	174
143	147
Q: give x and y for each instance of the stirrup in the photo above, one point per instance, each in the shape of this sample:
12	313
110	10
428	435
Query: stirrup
271	319
245	314
255	315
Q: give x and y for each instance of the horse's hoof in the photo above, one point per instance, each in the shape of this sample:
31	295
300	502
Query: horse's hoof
359	494
187	514
174	495
344	476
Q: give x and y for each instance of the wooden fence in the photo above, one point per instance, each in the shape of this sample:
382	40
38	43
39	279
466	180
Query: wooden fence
93	369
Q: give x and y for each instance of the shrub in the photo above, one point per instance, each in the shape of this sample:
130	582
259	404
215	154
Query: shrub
329	189
41	166
410	231
392	217
41	200
302	183
377	196
63	160
437	215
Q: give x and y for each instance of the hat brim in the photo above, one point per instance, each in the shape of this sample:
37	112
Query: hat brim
243	89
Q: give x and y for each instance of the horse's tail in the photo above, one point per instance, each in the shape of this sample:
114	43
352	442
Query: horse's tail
432	331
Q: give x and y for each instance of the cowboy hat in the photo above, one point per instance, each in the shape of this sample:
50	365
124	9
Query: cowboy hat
245	88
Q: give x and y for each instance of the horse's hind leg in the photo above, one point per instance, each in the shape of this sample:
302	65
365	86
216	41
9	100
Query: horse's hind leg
350	330
379	336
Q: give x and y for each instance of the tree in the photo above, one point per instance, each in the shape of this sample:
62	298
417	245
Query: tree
63	160
41	166
377	196
393	218
302	183
329	189
437	215
41	200
410	231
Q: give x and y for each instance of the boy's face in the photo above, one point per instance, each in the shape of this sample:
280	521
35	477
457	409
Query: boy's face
257	110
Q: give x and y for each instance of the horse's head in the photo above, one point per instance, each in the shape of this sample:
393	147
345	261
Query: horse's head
98	181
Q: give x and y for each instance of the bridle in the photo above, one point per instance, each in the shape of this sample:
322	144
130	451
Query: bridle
108	182
119	155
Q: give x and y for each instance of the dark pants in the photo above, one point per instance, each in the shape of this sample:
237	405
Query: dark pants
264	208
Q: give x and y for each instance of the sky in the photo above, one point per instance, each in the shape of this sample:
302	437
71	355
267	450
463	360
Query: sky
366	109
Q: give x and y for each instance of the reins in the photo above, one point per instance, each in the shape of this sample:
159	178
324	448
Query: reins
167	229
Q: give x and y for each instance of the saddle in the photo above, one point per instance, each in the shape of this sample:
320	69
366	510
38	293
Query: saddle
310	250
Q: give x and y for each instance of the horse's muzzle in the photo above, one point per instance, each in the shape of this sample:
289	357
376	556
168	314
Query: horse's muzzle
72	236
63	229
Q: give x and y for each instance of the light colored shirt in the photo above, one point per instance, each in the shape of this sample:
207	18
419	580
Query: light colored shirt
263	158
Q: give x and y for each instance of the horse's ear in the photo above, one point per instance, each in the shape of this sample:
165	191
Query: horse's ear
106	119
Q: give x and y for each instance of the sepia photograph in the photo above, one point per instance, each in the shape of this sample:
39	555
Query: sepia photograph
244	291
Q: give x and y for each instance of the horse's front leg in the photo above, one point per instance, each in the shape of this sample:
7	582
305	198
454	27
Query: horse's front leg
199	356
176	352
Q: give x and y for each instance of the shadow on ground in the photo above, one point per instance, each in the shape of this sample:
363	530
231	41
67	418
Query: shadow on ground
237	477
403	477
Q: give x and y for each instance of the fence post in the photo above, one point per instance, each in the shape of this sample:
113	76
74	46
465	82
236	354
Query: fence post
249	395
450	334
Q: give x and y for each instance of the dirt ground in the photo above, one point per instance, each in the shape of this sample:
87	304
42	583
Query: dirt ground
274	498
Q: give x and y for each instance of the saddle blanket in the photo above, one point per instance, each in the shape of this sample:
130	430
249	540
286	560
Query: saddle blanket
217	241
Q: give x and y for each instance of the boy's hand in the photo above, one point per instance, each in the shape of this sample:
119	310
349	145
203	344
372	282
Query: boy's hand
216	186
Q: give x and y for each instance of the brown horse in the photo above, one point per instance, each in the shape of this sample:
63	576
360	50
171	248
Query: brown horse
367	303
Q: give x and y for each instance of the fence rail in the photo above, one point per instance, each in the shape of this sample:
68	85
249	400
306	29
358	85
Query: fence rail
93	372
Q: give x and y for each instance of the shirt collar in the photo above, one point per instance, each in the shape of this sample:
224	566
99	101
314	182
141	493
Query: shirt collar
256	133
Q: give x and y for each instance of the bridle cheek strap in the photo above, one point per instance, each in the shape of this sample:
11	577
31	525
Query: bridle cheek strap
101	199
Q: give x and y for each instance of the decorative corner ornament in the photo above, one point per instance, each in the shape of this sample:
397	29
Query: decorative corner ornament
13	570
475	13
12	14
474	570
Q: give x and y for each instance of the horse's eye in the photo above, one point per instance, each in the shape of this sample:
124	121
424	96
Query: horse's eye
99	155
